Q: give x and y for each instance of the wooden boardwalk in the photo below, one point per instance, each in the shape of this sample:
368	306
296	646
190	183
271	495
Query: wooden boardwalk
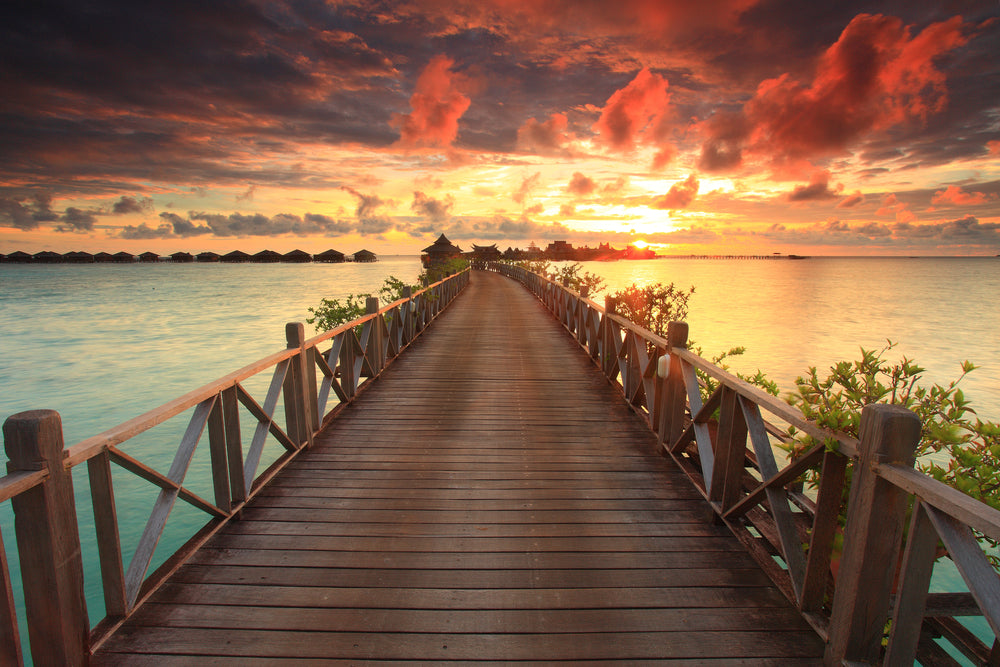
489	498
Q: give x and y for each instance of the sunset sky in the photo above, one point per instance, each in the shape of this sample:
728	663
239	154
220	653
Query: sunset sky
717	126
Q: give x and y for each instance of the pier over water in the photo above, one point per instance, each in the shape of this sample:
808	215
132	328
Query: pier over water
513	486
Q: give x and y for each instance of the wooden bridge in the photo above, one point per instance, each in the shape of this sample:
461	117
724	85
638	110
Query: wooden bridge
491	496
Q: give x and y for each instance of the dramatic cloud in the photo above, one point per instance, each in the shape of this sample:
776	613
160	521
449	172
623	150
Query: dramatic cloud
528	183
132	205
851	201
680	195
548	138
26	214
437	105
436	210
956	196
77	220
580	185
636	113
876	75
818	189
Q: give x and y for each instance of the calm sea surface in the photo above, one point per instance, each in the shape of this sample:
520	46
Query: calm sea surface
104	343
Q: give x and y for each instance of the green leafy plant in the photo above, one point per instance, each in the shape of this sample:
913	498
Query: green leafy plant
569	275
440	270
967	448
331	313
653	306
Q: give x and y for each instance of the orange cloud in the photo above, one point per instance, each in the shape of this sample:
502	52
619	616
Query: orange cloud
993	147
635	113
956	196
680	195
545	138
875	75
437	105
581	185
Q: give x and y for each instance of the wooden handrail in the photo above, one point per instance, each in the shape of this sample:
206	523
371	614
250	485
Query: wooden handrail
235	475
747	490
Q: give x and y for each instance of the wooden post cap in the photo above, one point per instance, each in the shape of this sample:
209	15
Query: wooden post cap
32	437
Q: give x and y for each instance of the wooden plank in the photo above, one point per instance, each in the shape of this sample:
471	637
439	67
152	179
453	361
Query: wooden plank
508	500
10	638
777	497
914	580
971	562
165	501
109	548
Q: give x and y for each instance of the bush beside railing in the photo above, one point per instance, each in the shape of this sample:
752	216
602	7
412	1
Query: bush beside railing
726	448
39	482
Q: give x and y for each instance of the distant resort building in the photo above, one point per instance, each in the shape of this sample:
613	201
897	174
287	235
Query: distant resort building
149	257
123	257
297	256
440	251
266	257
18	257
365	256
330	256
104	257
181	257
486	253
235	257
208	257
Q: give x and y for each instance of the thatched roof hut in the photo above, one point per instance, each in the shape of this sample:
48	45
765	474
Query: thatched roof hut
181	257
330	256
104	257
149	257
297	256
208	256
18	257
78	257
235	257
439	251
46	257
123	257
266	257
365	256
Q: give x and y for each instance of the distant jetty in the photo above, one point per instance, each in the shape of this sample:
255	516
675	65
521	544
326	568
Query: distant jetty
234	257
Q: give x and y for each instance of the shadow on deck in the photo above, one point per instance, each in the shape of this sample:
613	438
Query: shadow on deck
489	498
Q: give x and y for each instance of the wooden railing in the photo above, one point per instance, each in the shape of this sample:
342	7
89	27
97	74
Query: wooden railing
312	381
726	447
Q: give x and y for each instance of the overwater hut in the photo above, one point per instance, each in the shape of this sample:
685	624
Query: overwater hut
266	257
440	251
297	256
365	256
46	257
18	257
235	257
123	257
78	257
104	257
207	256
181	257
331	256
485	253
149	257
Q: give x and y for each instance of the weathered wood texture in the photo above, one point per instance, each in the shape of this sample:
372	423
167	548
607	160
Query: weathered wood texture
490	498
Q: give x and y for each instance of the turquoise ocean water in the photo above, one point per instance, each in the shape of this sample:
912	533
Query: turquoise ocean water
104	343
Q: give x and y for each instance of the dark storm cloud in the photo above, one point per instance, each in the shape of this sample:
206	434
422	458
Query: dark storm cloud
436	210
76	220
26	213
132	205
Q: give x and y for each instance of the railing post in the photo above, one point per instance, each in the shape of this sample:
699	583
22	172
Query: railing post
48	541
375	342
300	400
609	354
875	515
674	391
